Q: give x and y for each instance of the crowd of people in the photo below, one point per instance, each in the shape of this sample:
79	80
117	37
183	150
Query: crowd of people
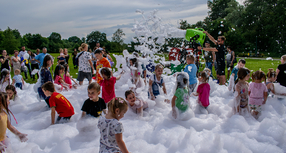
109	107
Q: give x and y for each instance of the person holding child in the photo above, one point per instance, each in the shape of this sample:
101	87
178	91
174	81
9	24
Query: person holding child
18	79
94	105
58	103
111	129
191	69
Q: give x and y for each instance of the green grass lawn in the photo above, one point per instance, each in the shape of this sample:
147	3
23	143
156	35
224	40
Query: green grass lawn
252	64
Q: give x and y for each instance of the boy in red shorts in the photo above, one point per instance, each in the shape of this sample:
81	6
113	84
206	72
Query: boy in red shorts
58	103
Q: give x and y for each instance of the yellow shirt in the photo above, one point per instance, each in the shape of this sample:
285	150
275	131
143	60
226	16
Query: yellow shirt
3	125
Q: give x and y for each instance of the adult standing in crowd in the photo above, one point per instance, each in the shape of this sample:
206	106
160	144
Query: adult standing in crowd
16	61
220	59
27	64
37	51
97	46
209	56
34	63
5	60
230	56
85	67
74	54
281	72
67	56
41	56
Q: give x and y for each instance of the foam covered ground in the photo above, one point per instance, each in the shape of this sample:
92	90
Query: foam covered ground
157	131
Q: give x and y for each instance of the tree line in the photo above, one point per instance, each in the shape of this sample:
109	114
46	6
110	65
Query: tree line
11	39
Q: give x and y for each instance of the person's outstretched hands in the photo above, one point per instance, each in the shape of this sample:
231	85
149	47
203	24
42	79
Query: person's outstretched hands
2	147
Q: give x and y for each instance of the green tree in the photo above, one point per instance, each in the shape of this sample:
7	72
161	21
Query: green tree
10	43
55	42
117	36
96	36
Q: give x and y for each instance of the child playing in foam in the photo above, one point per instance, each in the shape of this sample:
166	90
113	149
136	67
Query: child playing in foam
111	129
94	105
5	123
241	91
180	100
156	82
135	74
58	103
11	91
68	78
233	77
108	82
203	92
191	69
4	79
137	105
271	77
18	79
257	92
58	79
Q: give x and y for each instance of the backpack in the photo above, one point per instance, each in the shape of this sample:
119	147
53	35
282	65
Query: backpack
77	57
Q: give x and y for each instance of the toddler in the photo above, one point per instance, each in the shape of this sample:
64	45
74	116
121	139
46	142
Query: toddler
191	69
180	101
257	92
111	129
18	79
94	105
137	105
271	77
58	79
108	82
203	91
68	78
135	73
156	82
241	90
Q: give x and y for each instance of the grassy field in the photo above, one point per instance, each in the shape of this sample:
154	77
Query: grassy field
252	64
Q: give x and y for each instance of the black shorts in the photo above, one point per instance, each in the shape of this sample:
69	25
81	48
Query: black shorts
228	64
82	75
220	67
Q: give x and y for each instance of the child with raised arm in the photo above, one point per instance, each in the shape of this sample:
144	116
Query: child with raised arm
241	90
94	105
58	103
257	92
156	82
108	82
137	105
18	79
111	129
191	69
180	101
203	92
5	123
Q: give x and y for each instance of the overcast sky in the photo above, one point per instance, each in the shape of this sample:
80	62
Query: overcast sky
80	17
